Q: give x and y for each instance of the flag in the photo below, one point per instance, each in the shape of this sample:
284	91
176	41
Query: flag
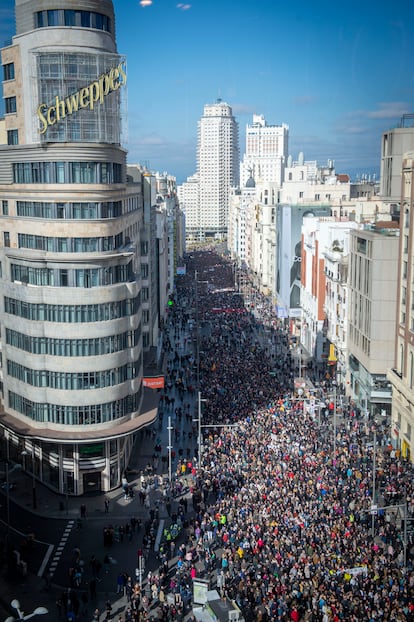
153	382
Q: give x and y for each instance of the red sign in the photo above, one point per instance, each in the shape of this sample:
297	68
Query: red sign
228	310
153	382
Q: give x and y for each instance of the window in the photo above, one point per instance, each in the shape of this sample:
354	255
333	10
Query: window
361	245
73	313
40	21
6	238
8	71
66	172
70	18
53	18
5	207
12	137
10	104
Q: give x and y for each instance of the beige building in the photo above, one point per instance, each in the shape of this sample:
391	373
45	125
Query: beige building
372	304
71	337
401	374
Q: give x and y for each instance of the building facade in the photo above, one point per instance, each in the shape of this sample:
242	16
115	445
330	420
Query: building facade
372	304
401	374
71	343
189	199
395	143
217	168
267	148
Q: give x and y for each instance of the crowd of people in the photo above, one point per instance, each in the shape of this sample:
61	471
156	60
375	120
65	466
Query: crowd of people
274	507
283	521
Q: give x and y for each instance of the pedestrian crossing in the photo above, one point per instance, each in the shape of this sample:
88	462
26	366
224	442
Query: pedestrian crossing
60	548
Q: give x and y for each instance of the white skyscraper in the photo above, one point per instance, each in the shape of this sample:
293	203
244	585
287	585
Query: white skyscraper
218	167
266	151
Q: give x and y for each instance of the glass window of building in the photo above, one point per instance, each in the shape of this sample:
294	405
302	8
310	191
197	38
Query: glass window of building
70	18
10	104
53	18
8	71
12	137
5	207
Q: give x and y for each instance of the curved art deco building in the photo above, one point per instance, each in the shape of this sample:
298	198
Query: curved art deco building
71	344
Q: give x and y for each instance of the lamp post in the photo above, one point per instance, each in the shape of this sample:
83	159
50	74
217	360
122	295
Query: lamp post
39	611
24	454
197	283
16	467
169	452
199	400
34	498
374	467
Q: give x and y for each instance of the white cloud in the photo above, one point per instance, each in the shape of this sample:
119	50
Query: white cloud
388	110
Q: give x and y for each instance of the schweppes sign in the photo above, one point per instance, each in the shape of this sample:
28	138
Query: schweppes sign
86	97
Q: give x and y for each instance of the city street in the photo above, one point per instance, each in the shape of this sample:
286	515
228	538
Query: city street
270	486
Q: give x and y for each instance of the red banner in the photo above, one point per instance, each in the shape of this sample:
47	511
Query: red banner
228	310
153	382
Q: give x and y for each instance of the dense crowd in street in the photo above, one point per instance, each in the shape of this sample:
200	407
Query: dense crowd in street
282	522
276	512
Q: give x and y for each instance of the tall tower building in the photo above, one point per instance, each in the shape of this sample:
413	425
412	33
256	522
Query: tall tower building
71	347
266	153
218	167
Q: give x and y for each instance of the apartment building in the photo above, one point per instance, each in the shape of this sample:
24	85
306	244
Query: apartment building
401	373
372	305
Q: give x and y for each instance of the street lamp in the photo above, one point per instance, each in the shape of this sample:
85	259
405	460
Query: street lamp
334	424
374	468
16	467
39	611
24	454
197	283
170	428
199	400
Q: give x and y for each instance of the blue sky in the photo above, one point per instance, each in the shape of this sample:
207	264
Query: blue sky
338	74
